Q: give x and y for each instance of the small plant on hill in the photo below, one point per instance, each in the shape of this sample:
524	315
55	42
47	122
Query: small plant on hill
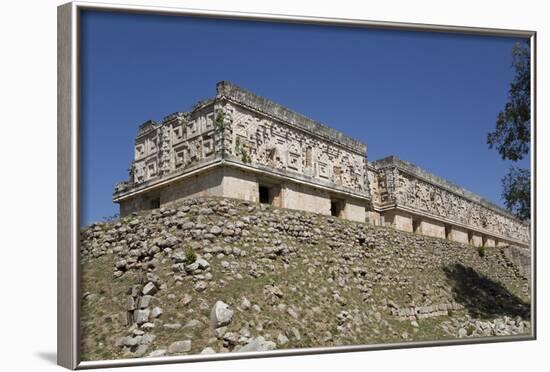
481	251
190	256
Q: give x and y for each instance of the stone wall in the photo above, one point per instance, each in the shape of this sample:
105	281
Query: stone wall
459	235
285	115
432	228
335	282
354	210
246	128
232	182
401	221
240	184
207	183
422	312
308	163
304	198
403	185
179	142
305	165
260	141
520	258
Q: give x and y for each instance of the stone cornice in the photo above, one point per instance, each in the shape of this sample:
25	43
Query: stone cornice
288	116
199	168
159	182
423	175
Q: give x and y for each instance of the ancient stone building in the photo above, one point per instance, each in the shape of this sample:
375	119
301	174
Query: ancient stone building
240	145
411	199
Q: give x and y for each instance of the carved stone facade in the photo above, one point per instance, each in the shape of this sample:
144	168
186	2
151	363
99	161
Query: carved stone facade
241	145
405	192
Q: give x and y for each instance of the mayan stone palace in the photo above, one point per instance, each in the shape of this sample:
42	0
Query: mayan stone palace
240	145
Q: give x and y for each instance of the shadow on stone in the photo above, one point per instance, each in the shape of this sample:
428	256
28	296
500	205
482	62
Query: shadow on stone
483	297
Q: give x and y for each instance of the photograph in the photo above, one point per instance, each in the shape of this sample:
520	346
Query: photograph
256	185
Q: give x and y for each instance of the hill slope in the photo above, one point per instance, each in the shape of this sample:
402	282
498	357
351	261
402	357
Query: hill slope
221	275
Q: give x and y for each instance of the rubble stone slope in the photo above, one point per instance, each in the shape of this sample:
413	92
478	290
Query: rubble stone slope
212	275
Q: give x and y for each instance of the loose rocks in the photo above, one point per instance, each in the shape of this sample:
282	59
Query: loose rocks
220	315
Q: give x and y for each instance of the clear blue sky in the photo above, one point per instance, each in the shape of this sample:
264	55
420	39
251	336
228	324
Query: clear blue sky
427	98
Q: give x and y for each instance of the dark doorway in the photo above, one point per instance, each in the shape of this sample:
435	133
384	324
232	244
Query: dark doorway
336	208
416	225
154	203
264	195
447	232
270	194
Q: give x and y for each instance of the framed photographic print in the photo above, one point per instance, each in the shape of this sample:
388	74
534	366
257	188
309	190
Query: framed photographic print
237	185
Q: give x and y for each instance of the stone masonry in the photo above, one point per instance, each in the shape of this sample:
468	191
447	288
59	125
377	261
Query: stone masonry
240	145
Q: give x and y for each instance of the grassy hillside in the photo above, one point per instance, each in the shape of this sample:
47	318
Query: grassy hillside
290	279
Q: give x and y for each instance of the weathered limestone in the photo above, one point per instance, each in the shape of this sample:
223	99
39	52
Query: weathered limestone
373	218
400	221
432	228
489	242
459	235
520	257
240	184
303	197
476	240
243	146
220	315
240	145
354	211
441	209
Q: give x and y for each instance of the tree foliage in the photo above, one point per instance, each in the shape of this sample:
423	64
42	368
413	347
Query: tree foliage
512	135
517	192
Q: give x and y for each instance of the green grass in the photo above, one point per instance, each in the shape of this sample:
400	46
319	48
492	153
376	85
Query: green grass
403	273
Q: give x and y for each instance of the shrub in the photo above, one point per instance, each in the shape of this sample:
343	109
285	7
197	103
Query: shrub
481	251
245	158
220	119
190	256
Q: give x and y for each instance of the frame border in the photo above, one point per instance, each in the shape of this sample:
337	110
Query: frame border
68	103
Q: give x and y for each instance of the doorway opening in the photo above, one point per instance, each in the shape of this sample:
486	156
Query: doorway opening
154	203
269	194
416	225
336	207
447	232
264	195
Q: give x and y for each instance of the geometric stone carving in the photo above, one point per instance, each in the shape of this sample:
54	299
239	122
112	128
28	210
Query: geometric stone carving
240	128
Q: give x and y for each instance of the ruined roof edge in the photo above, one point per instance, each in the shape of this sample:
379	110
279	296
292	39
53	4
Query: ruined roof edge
441	182
231	91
